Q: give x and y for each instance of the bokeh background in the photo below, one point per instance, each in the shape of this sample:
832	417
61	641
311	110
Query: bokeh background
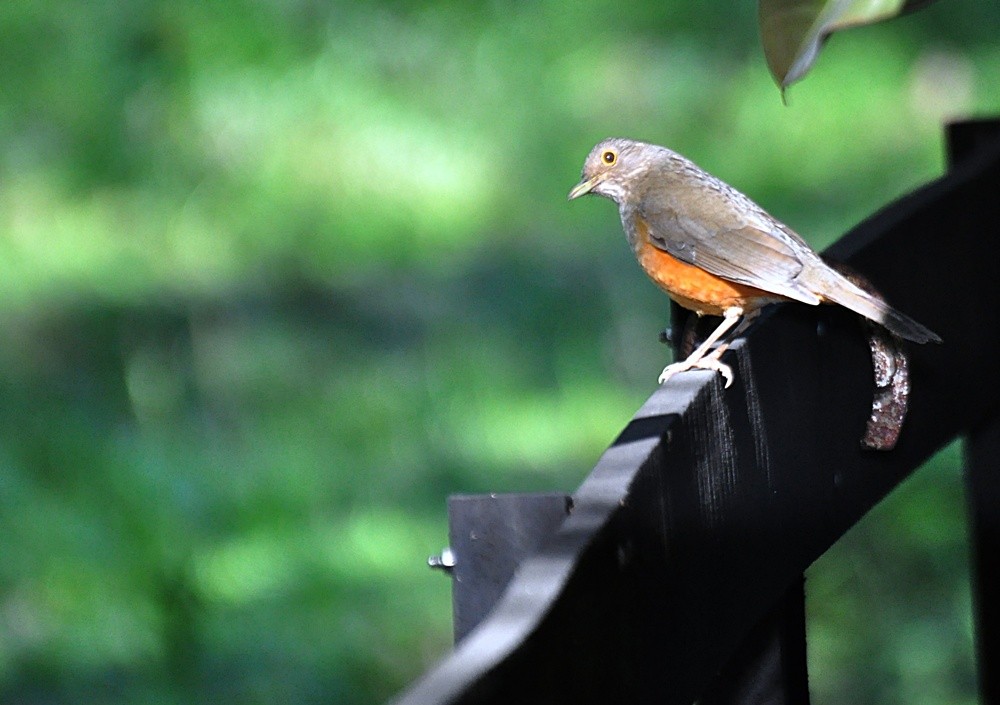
278	276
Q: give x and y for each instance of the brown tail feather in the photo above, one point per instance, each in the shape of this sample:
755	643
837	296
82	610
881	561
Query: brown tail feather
838	289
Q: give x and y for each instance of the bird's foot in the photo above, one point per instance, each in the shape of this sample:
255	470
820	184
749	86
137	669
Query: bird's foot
709	362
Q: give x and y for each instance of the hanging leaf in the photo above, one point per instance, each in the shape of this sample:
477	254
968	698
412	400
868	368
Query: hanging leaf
794	30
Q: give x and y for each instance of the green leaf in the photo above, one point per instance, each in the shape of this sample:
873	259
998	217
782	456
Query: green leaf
794	30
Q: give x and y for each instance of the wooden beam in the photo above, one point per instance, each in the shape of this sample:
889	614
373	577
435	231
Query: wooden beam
703	514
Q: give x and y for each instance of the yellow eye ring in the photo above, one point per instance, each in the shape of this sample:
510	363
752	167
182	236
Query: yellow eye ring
609	157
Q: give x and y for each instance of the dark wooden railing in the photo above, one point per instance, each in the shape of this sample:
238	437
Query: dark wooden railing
674	573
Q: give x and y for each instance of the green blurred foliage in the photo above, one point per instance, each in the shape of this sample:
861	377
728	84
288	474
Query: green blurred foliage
277	277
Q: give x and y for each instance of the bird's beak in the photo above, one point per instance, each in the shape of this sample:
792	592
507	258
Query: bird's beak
585	187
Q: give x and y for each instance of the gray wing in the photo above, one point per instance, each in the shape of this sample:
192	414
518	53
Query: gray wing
733	238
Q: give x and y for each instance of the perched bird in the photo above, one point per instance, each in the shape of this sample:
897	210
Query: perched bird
716	252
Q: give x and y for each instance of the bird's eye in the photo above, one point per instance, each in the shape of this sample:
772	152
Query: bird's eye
609	157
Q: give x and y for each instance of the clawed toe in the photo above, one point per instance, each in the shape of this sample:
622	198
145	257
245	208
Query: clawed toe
711	363
702	358
705	363
670	370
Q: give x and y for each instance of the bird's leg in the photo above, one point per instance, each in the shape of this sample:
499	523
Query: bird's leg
748	318
700	359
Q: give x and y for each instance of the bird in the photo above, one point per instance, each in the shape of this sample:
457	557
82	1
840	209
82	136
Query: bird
716	252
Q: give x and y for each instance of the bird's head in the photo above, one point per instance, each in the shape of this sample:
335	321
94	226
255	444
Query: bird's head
611	165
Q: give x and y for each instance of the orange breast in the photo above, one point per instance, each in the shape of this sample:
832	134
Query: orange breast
693	287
